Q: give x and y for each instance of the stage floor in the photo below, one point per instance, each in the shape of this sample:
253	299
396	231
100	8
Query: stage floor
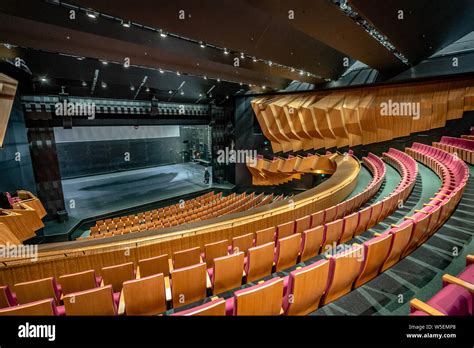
91	196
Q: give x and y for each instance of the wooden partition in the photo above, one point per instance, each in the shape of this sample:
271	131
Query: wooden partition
8	88
71	257
360	115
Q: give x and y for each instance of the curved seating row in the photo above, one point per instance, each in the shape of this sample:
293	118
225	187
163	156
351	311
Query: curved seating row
463	148
455	298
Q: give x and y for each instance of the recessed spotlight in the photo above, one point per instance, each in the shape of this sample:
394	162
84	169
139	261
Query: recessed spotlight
292	69
225	51
200	95
182	93
43	79
170	92
301	72
126	24
105	62
205	77
132	88
308	74
80	58
103	84
263	87
218	80
91	14
254	60
147	89
163	34
226	97
178	73
162	71
250	85
202	44
84	84
241	83
270	63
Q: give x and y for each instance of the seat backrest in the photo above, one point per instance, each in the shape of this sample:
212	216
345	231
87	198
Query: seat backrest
154	265
265	236
375	215
37	290
242	243
400	239
375	253
285	230
350	226
332	234
261	299
345	267
287	251
145	296
213	308
214	250
188	284
188	257
317	219
228	272
330	215
260	261
418	235
98	301
6	297
116	275
312	240
364	217
302	224
37	308
76	282
306	286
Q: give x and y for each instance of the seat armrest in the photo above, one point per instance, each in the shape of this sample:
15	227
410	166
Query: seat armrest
424	307
447	278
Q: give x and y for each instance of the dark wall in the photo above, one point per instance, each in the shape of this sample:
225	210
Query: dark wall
16	175
248	136
90	158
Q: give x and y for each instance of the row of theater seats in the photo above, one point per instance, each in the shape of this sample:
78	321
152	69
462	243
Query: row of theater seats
455	298
175	215
468	136
463	148
251	258
326	280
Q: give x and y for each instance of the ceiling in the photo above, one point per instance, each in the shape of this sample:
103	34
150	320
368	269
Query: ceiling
180	50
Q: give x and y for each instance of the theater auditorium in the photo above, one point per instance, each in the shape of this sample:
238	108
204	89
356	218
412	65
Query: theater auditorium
236	158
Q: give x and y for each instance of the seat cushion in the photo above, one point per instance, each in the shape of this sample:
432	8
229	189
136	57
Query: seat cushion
468	274
229	306
452	300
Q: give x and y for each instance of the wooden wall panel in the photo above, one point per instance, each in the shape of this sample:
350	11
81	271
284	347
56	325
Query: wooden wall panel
354	116
8	88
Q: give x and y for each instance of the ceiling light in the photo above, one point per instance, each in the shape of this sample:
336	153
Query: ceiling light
132	88
308	74
270	63
301	72
178	73
105	62
292	69
43	79
218	80
91	14
263	87
225	51
163	34
254	60
170	92
182	93
202	44
205	77
200	95
84	84
226	97
80	58
147	89
241	83
126	24
162	71
103	84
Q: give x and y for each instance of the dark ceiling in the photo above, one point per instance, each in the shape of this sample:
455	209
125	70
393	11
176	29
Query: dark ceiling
311	45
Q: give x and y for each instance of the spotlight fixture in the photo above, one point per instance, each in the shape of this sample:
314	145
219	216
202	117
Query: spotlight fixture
225	51
91	14
163	34
254	60
103	84
226	97
200	95
84	84
292	69
80	58
105	62
301	72
205	77
162	71
241	83
202	44
182	93
132	88
147	89
170	92
43	79
126	24
218	79
263	87
178	73
270	63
